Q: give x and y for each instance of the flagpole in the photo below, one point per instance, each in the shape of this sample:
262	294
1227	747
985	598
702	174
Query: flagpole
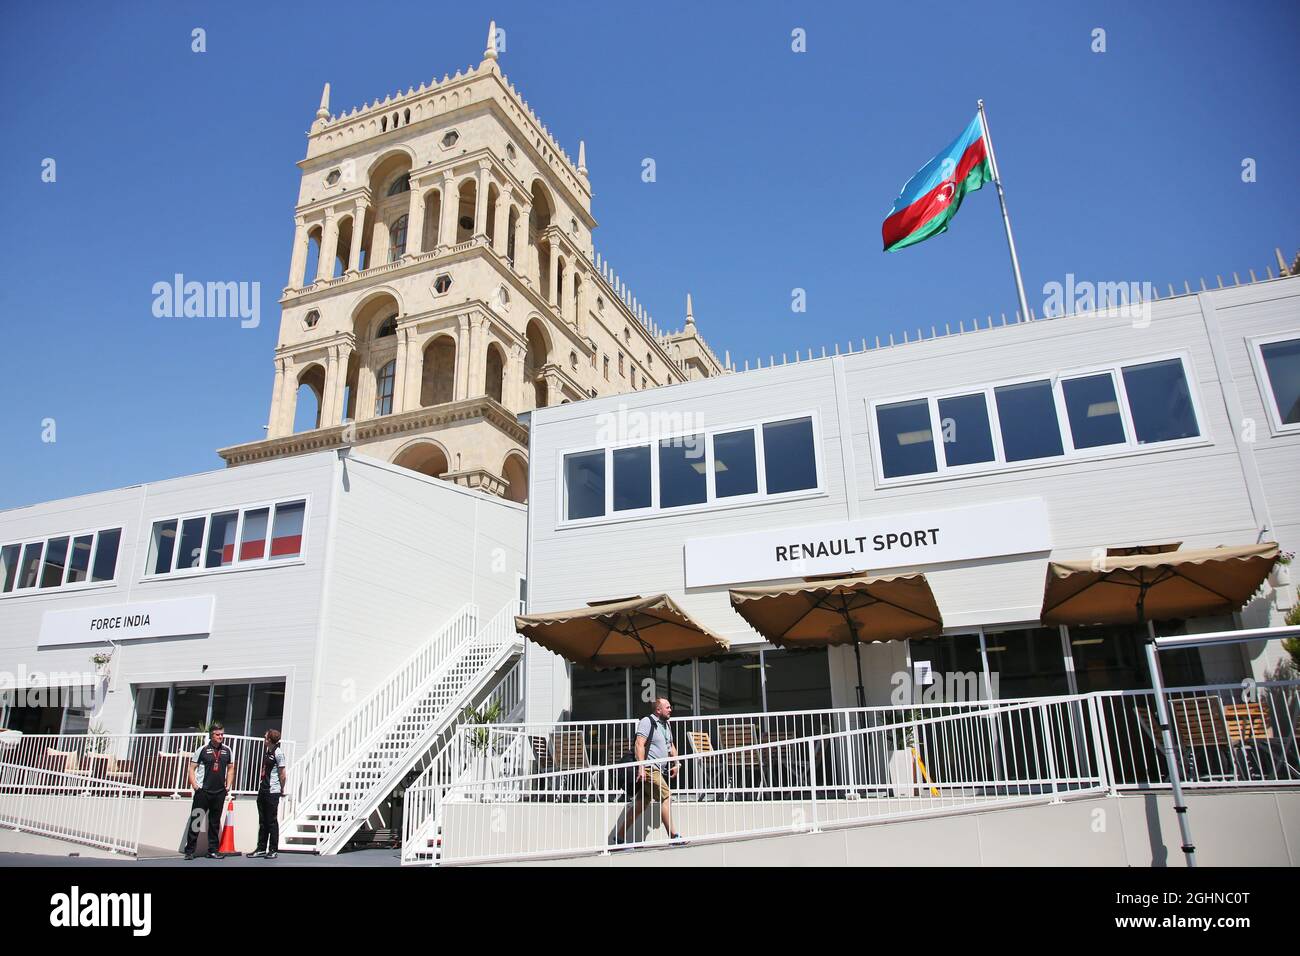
1006	219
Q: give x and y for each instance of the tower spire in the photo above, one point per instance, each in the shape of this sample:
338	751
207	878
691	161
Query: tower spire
690	312
490	53
323	112
582	157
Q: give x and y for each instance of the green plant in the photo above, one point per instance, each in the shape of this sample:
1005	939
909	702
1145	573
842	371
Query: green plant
100	658
905	736
480	737
98	738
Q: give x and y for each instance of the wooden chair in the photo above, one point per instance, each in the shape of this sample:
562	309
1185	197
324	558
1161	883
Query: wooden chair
66	761
744	762
1251	732
1200	727
119	770
569	752
706	772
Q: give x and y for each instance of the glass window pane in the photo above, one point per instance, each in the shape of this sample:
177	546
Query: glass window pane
964	427
682	479
731	685
735	467
584	484
674	681
221	540
789	459
230	706
1282	362
105	567
190	708
286	539
56	556
1026	662
631	478
9	562
906	440
31	565
162	543
151	710
79	559
1027	413
384	389
1160	402
797	680
1093	410
599	695
252	540
268	708
190	552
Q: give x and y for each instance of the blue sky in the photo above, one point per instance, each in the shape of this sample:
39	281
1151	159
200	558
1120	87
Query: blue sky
774	171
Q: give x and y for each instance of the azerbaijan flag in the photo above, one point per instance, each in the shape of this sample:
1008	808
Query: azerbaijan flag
933	195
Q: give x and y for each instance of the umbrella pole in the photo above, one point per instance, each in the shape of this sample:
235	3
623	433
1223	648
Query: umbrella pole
1166	731
857	650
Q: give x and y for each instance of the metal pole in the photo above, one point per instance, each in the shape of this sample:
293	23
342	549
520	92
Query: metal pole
1167	742
1006	219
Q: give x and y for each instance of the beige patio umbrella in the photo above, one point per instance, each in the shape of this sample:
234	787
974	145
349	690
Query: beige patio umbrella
1152	585
842	610
1136	588
623	633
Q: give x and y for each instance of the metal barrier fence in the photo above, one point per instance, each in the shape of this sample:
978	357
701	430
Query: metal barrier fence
1227	735
996	755
156	763
91	811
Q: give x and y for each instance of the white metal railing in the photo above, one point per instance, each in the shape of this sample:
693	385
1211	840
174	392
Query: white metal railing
156	763
995	755
330	755
378	766
1225	735
447	756
87	810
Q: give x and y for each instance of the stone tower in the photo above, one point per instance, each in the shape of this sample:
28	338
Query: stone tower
443	280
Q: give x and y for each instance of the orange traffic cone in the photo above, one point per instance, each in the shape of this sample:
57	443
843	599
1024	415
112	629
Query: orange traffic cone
228	829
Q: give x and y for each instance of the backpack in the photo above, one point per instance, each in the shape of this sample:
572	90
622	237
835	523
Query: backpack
627	776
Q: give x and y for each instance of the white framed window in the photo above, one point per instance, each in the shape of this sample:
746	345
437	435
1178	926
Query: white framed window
1081	413
227	538
764	460
74	559
1277	370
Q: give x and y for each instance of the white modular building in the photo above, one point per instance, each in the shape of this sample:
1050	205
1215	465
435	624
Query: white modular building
974	457
278	594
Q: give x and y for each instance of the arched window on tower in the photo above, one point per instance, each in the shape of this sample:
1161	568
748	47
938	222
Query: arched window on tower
402	184
387	327
384	381
397	240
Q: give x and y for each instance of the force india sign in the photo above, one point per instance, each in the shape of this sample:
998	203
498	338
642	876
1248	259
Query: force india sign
181	617
870	544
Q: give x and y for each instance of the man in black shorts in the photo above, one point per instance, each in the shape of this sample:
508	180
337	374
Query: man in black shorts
217	764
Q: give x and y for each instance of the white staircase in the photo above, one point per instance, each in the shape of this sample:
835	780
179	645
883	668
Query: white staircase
355	768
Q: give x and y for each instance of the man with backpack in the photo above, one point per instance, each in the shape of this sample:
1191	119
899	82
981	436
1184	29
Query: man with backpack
654	743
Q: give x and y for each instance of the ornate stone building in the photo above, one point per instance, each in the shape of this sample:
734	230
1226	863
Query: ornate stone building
443	280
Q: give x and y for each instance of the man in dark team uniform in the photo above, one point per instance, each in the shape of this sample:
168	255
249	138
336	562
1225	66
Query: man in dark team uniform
217	763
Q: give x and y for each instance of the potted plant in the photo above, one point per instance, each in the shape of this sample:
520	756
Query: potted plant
902	761
98	739
1280	576
101	661
483	762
